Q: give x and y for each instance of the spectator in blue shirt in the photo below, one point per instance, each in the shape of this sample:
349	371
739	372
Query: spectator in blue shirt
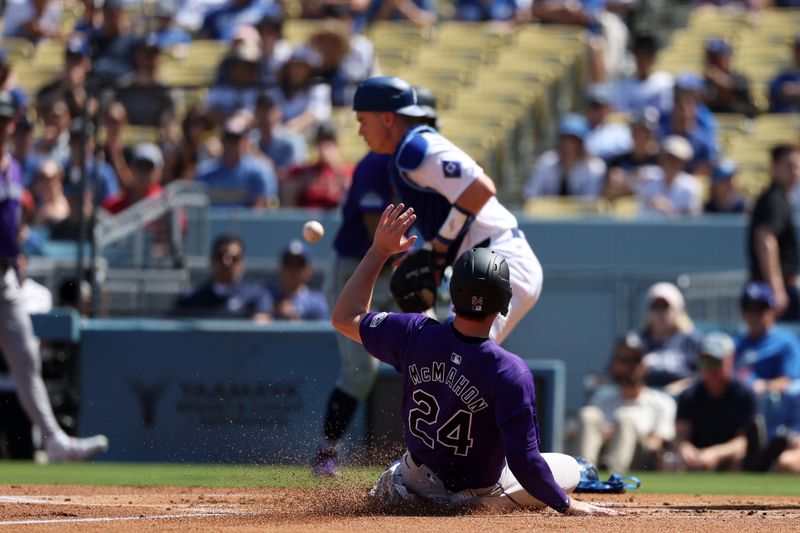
479	11
275	50
725	194
284	148
222	23
767	356
101	178
238	80
784	89
294	299
684	120
237	178
225	295
112	44
168	33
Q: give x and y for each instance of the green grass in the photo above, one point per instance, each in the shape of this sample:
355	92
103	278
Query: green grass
249	476
176	475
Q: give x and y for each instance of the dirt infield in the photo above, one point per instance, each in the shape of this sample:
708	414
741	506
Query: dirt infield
71	508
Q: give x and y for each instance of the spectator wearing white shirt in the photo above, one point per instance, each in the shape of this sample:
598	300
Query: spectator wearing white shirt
625	425
606	139
667	189
646	87
569	170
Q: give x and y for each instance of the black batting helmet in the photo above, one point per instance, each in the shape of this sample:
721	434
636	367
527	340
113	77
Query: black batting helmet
480	284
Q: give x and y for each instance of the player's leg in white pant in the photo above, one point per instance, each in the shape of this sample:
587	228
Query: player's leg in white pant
590	433
358	369
420	480
566	472
21	351
20	348
526	283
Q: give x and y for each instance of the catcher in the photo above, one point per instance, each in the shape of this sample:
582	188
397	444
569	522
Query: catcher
453	197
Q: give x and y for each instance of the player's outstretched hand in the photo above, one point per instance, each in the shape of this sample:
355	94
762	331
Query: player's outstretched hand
390	235
579	508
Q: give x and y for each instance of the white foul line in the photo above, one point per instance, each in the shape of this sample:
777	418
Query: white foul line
60	501
113	518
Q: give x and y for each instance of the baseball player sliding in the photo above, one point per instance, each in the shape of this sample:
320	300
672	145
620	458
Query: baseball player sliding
468	405
453	195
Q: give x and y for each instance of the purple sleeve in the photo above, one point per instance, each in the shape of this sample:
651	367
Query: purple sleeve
515	411
385	335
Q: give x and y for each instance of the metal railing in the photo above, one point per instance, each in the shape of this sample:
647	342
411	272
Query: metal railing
147	248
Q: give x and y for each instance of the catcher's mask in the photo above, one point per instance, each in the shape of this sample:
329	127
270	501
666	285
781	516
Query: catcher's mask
480	284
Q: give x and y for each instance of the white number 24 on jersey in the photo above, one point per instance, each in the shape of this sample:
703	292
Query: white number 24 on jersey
456	433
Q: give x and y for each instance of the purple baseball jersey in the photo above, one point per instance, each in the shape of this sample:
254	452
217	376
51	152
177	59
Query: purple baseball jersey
468	405
10	209
370	192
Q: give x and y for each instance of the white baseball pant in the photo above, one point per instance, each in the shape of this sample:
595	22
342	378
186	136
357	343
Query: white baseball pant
21	351
404	481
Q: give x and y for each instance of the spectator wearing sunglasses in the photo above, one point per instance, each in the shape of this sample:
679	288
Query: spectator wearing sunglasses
715	412
226	295
670	343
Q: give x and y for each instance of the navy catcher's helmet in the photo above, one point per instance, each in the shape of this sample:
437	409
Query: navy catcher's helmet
387	94
480	284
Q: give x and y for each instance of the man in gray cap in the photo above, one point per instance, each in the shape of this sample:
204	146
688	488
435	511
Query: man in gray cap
17	342
715	413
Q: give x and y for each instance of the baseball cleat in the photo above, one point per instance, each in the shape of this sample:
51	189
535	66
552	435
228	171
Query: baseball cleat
325	463
64	449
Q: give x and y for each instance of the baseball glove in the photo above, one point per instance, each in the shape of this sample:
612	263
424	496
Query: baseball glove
414	282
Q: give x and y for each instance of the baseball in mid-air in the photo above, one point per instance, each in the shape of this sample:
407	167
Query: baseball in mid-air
313	231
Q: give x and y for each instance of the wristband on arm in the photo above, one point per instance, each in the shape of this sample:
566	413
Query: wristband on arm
454	228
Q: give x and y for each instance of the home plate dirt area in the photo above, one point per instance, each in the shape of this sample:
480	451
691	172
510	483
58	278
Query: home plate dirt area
81	508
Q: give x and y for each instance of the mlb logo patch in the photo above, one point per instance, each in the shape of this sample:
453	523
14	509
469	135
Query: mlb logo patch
455	358
377	319
452	169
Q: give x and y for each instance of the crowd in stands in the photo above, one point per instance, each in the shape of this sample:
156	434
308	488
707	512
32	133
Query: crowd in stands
249	136
676	399
654	136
